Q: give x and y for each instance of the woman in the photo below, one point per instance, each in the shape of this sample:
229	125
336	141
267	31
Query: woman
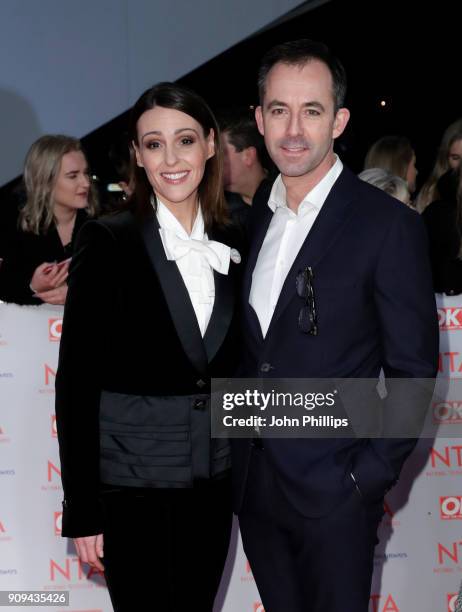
443	219
391	184
448	158
151	315
396	155
59	199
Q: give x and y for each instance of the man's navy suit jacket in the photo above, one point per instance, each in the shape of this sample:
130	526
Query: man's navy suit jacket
375	308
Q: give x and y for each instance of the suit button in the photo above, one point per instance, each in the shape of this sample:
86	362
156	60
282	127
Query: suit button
200	404
266	367
201	383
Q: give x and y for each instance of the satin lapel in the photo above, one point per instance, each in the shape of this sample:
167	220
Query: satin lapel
261	225
176	295
223	307
325	231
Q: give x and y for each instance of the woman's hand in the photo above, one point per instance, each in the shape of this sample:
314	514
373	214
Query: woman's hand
90	550
49	276
54	296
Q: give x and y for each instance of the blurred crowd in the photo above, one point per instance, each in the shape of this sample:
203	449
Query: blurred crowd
59	193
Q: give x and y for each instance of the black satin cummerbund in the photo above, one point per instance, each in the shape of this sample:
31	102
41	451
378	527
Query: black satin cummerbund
152	441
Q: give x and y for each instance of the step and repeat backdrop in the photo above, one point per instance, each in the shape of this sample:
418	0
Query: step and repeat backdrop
418	562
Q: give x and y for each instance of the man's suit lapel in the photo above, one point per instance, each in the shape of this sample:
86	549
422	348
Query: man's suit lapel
320	240
176	295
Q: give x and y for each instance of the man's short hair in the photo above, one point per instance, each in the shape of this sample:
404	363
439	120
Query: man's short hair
299	53
240	127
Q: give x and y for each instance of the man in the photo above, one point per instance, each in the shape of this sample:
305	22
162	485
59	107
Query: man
338	285
246	162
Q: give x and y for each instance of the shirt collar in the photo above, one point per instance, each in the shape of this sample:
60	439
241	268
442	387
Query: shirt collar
167	220
314	198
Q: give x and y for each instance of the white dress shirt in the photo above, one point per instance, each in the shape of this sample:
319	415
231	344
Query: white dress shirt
196	258
286	234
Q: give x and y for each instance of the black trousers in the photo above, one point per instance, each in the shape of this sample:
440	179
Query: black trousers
165	549
305	564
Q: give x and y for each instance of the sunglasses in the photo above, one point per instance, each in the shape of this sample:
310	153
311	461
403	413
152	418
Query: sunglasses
307	319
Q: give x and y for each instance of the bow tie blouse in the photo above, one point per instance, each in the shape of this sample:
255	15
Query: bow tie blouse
196	257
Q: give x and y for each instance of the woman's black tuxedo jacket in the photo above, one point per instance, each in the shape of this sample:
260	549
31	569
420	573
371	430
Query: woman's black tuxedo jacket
134	370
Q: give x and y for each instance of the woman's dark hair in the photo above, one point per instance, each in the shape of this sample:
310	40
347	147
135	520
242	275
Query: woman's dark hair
180	98
299	53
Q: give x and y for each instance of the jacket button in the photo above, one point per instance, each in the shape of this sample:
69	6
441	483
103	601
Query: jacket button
266	367
200	404
201	383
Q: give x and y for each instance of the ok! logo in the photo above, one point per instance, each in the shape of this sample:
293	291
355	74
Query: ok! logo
451	507
450	318
54	329
447	413
452	599
58	522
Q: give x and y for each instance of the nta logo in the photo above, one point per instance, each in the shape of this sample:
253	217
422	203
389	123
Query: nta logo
258	607
71	570
52	469
49	374
382	603
451	456
449	554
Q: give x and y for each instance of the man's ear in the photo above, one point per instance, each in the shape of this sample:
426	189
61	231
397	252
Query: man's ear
211	144
249	155
137	155
259	120
340	122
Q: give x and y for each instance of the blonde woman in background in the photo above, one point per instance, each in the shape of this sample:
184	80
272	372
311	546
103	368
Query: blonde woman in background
396	155
391	184
60	198
449	156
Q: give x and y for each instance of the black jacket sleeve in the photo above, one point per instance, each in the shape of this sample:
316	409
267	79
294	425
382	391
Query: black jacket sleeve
92	286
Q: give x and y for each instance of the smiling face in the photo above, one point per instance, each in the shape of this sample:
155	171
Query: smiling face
173	151
298	119
72	186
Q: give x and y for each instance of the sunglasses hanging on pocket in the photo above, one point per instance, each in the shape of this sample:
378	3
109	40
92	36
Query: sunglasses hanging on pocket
307	319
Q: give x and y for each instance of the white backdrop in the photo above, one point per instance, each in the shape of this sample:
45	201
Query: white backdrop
419	558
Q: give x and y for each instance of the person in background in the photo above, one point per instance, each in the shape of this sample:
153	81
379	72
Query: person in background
391	184
147	491
117	192
396	155
443	219
246	162
59	199
449	156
